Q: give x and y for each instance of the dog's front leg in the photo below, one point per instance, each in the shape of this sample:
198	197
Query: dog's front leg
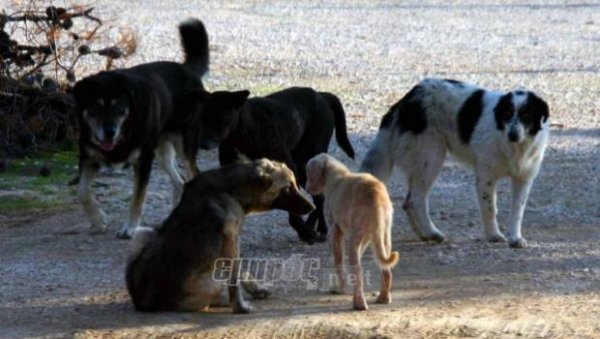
520	192
486	193
142	170
88	171
231	250
337	245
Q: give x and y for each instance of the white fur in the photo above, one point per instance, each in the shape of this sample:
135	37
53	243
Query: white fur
489	153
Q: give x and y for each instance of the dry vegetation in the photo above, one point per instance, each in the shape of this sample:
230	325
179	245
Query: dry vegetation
58	281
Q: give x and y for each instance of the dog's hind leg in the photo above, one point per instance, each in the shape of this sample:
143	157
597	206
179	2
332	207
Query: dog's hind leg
167	157
142	171
355	251
88	171
520	192
486	194
421	174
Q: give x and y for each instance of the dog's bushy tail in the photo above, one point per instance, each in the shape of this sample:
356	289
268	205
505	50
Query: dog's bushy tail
195	45
382	241
339	115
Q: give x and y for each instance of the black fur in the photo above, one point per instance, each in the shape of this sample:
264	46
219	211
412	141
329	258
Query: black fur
410	114
161	97
292	126
534	113
504	110
469	114
148	102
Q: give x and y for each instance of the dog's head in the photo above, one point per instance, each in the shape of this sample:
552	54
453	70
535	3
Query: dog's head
278	189
520	115
219	116
316	173
104	102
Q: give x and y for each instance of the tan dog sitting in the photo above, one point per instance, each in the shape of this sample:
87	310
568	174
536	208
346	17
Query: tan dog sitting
356	205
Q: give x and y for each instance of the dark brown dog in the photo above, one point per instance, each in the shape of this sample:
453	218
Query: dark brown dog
171	268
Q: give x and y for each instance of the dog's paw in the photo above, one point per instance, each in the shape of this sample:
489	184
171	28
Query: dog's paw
242	308
435	237
495	237
517	243
125	232
98	223
309	237
384	298
260	293
359	303
321	237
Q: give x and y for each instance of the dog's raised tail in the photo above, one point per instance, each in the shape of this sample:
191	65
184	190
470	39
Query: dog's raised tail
339	115
195	45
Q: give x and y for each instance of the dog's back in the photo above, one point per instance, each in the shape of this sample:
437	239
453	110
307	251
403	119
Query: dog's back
183	247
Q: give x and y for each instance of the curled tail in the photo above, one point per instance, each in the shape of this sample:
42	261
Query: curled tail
195	45
339	116
382	241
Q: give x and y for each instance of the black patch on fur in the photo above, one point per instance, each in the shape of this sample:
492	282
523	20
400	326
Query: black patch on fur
533	113
504	110
469	114
410	114
386	121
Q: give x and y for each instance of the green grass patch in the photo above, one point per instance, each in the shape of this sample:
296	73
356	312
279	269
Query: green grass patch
23	186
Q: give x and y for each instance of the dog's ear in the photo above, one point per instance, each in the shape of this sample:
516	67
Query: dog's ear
238	99
232	100
538	107
261	175
539	111
504	110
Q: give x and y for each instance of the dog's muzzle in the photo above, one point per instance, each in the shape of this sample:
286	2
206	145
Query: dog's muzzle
513	136
293	201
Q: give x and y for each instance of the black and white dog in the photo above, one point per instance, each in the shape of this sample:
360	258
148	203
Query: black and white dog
127	115
498	134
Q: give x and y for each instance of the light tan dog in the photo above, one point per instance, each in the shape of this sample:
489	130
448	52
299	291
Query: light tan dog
356	205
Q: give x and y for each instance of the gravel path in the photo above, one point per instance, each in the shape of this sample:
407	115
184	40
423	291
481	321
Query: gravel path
58	281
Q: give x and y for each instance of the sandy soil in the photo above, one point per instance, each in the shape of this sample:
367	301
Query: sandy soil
56	280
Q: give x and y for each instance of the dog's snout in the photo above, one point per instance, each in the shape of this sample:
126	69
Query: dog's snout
513	136
110	130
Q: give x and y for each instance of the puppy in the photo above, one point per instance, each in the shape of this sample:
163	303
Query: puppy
126	115
356	205
290	126
171	268
497	134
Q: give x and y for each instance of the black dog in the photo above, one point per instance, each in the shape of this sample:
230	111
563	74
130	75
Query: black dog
291	126
173	267
126	115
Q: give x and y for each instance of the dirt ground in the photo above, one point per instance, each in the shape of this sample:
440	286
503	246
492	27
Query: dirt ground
56	280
